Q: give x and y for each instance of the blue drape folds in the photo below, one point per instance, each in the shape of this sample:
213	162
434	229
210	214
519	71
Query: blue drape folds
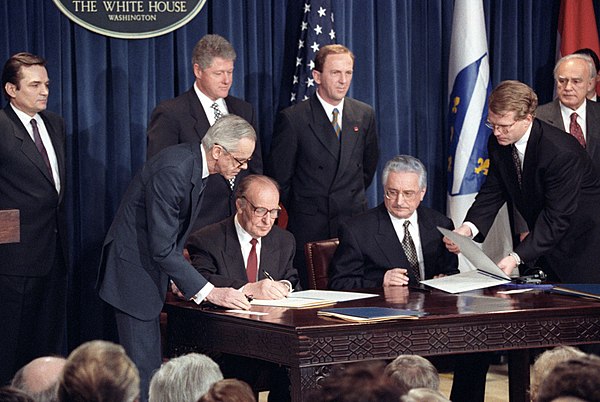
106	88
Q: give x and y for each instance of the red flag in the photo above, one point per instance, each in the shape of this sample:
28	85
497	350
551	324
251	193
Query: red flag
577	28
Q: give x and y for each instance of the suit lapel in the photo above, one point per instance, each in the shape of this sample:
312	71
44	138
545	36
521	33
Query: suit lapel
350	133
59	150
269	256
430	238
232	253
387	239
196	110
321	127
555	119
592	123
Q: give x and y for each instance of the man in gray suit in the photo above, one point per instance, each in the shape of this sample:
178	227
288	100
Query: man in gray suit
144	245
575	76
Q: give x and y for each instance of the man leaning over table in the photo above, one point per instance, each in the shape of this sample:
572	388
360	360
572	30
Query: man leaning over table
396	244
249	253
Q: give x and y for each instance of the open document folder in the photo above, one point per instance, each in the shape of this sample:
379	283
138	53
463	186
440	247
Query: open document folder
486	275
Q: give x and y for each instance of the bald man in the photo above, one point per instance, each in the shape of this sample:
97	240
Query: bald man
39	378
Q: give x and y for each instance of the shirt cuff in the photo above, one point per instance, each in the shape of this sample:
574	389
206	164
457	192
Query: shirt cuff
288	283
474	230
201	295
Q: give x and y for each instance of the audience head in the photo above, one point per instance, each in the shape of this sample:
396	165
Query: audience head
257	204
229	390
39	378
358	382
99	371
575	76
413	371
424	395
212	60
12	394
574	378
184	378
25	82
334	65
547	361
511	110
229	144
404	185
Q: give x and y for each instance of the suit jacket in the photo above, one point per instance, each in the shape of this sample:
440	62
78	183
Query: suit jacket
550	113
216	253
26	185
183	119
144	245
559	201
323	179
369	247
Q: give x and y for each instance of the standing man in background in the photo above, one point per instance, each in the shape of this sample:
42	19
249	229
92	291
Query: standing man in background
324	154
33	272
187	117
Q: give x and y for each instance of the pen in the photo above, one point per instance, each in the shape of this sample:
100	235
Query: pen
268	276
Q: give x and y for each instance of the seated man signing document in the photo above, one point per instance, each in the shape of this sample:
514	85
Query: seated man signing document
248	253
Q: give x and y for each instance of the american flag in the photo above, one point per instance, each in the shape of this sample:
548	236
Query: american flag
316	30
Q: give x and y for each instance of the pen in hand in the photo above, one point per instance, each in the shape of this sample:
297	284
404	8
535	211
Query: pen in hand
268	276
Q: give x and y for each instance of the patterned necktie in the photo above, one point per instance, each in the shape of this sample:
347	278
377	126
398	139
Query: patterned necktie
576	131
252	265
411	252
335	122
517	162
218	115
40	146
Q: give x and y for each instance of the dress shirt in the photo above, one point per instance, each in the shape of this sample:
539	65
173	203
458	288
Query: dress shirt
244	239
581	113
206	103
413	228
329	109
26	120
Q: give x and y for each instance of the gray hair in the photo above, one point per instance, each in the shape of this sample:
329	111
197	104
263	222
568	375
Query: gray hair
587	59
405	164
547	361
209	47
227	132
424	395
185	378
413	371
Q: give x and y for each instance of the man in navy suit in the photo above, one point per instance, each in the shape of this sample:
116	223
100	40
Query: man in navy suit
221	253
33	271
187	117
143	249
324	154
371	254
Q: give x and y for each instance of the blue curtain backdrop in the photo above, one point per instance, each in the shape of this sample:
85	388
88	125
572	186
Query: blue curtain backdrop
106	88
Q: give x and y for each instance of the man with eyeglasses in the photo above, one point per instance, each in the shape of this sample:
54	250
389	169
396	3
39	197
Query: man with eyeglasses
373	250
143	249
247	252
549	179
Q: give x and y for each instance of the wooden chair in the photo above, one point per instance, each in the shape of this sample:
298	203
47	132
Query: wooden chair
318	255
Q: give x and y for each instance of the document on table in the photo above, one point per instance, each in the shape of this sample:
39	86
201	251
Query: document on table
312	298
486	275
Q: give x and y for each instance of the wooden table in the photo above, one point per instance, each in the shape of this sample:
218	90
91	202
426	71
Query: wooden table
309	345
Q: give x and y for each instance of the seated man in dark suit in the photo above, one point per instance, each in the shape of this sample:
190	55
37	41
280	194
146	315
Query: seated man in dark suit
247	252
372	249
397	244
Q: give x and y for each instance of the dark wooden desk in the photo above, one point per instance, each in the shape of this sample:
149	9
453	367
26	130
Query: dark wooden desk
472	322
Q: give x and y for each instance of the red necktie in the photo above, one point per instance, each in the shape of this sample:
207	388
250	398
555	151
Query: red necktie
40	146
575	130
252	266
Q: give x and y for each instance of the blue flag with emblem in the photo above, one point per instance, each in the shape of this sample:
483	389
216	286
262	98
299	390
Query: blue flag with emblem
469	89
316	30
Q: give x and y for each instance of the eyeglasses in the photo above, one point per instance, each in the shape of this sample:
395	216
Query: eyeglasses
408	195
239	162
503	128
261	212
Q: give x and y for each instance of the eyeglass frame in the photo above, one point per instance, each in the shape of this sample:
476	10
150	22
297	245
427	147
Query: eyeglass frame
408	195
267	211
504	128
239	162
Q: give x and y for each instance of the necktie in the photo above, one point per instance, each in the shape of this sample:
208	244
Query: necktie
575	130
411	252
517	162
335	124
218	115
252	265
40	146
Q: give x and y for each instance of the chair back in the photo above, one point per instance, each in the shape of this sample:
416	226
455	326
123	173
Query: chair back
318	256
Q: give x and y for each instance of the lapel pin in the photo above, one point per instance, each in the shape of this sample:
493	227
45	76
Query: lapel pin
356	129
